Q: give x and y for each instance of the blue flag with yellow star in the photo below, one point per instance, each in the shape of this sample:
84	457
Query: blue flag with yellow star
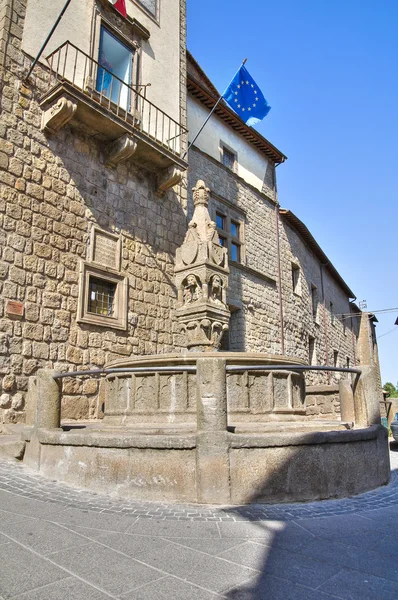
245	98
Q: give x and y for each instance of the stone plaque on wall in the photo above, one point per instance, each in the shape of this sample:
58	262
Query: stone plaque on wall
14	308
105	249
150	5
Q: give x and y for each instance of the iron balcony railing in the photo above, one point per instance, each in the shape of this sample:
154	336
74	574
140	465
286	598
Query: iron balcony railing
126	102
192	369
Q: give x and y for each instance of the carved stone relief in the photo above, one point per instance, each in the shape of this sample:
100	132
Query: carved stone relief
202	279
192	289
216	290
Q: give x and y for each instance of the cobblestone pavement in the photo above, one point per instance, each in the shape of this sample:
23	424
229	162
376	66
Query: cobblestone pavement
61	543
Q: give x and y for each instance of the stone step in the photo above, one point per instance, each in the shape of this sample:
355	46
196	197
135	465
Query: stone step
294	426
12	428
264	427
11	446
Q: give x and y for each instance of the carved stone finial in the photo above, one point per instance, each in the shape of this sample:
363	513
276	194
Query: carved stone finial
201	193
202	279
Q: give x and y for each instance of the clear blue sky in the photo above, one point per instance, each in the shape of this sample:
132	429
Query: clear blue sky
330	72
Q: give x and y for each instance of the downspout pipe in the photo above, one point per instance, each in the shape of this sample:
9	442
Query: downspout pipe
325	327
278	254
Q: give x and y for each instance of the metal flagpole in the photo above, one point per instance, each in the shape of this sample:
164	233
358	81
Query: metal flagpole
47	39
211	112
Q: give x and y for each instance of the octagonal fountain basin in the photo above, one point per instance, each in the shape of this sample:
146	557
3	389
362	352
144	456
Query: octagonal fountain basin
156	396
216	428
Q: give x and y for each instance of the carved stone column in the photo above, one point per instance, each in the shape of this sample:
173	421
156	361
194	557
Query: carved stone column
202	279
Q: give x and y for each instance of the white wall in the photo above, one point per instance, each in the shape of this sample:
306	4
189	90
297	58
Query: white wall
252	165
74	26
160	54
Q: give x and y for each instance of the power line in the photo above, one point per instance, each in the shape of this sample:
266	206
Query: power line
373	312
387	332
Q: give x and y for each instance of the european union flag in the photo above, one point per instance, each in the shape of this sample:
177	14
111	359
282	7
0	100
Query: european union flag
245	98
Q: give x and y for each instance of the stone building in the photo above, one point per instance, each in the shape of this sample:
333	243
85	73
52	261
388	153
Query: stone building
285	295
95	200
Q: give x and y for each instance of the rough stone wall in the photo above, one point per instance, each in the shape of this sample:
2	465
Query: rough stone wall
252	291
54	190
332	333
323	402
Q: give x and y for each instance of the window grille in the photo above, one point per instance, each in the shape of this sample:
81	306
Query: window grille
228	159
101	297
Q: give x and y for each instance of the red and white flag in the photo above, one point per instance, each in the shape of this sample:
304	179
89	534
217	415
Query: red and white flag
120	6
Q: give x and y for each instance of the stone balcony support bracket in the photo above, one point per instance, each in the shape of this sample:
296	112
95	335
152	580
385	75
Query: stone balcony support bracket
58	114
120	150
168	179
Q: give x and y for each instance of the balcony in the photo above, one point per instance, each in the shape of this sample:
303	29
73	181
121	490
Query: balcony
86	93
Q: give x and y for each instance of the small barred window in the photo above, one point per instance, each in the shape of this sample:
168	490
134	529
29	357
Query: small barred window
101	297
228	159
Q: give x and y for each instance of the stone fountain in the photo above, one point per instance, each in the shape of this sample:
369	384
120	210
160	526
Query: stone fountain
205	425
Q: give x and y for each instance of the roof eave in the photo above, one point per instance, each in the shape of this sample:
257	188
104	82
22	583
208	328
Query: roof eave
311	242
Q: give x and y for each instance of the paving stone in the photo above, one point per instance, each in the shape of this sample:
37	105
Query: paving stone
277	533
130	545
280	562
367	540
387	515
8	517
195	567
108	570
349	584
22	571
388	545
143	550
19	506
171	529
94	520
213	547
275	588
41	536
67	589
367	561
170	588
87	532
341	527
249	554
3	541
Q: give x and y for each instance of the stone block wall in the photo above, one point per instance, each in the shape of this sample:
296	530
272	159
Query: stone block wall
322	401
54	190
333	331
